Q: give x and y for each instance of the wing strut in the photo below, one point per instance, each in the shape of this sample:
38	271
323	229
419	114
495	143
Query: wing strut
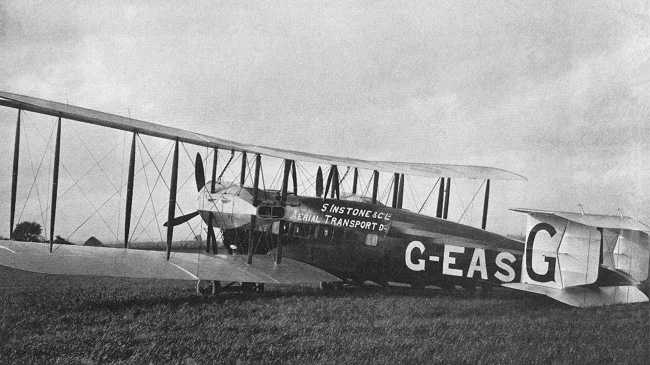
336	182
14	177
172	199
55	180
319	182
232	155
215	155
256	183
375	186
294	177
395	189
400	191
441	197
211	239
447	193
283	201
333	182
242	177
129	192
355	180
485	204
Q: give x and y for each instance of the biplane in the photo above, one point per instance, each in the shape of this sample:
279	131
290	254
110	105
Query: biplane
336	236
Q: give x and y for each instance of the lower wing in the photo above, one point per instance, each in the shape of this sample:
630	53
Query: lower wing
120	262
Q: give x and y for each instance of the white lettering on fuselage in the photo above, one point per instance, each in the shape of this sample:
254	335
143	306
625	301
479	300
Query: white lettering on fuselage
414	258
506	266
419	266
478	264
448	260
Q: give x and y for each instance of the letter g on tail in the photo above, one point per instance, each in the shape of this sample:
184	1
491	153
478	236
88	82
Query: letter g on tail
550	261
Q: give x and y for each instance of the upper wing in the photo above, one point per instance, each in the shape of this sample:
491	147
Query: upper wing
594	220
120	262
158	130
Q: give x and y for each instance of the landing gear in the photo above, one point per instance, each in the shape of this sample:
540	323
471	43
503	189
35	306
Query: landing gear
214	289
252	287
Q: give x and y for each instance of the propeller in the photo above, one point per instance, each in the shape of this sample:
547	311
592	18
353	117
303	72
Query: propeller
199	172
199	175
182	219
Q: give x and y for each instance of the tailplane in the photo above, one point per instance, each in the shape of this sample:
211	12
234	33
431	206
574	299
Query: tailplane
584	260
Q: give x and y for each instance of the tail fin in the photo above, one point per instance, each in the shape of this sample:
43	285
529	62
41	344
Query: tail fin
584	259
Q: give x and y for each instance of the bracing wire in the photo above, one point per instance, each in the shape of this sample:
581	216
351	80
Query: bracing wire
470	202
428	196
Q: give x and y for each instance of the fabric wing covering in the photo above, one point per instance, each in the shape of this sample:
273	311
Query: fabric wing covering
158	130
120	262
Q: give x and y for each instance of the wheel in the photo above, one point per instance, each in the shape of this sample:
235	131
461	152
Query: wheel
249	287
216	287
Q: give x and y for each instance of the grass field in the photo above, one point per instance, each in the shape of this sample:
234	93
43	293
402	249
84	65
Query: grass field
58	319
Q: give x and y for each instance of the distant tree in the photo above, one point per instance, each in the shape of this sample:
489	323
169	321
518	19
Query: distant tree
28	231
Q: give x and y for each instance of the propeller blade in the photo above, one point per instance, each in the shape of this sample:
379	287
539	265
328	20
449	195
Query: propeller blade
182	219
199	172
319	182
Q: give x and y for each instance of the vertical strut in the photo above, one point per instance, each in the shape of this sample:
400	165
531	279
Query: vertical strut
375	186
294	177
395	189
242	177
256	183
172	199
319	182
447	193
355	179
486	202
14	177
335	182
55	180
129	192
283	201
212	239
441	198
400	194
328	184
214	170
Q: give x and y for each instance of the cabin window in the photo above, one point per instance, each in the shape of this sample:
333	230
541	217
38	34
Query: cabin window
325	232
277	212
371	239
272	212
302	230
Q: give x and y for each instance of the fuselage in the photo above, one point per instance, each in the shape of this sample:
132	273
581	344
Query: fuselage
358	240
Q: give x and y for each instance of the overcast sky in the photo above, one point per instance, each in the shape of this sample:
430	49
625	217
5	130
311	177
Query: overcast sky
556	90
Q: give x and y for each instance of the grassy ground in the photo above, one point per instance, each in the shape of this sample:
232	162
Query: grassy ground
65	320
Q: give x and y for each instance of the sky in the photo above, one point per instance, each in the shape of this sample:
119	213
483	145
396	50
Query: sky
557	91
